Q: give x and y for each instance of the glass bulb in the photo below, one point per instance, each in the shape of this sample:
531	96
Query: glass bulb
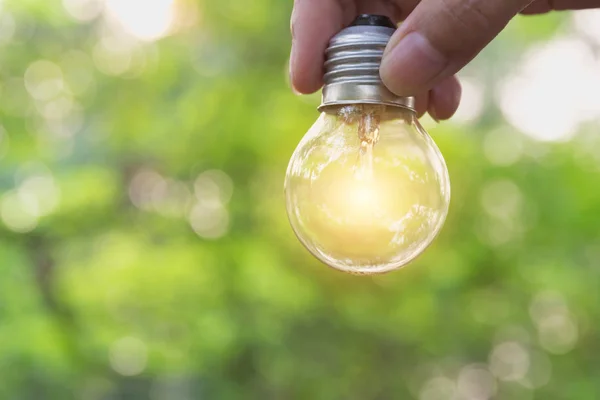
367	189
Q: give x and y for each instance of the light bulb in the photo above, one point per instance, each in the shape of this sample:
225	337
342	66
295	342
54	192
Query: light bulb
367	189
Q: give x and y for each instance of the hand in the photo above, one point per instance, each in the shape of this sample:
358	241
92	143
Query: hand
436	39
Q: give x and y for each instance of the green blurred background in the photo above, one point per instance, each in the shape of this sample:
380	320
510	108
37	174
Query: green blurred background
145	251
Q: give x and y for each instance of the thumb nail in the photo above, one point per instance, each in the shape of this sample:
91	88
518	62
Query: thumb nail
411	65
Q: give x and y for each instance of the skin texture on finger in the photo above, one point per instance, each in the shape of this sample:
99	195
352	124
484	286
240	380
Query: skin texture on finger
439	37
313	23
537	7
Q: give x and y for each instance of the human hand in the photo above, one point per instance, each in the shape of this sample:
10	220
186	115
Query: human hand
436	39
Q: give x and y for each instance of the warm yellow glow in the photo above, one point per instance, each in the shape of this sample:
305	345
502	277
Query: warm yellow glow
366	208
357	217
361	197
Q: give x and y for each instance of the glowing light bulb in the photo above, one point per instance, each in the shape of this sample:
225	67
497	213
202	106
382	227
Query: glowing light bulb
367	189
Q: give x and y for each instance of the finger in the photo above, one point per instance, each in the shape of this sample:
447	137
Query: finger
561	5
396	11
444	99
313	23
543	6
421	104
438	38
538	7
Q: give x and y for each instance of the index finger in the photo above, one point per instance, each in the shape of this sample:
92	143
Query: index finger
544	6
313	24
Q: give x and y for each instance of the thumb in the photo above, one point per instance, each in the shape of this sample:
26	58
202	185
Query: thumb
439	38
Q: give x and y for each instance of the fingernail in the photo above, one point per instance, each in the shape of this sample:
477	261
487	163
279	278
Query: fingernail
410	65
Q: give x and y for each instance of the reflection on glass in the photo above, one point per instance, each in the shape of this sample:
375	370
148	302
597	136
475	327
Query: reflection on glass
367	190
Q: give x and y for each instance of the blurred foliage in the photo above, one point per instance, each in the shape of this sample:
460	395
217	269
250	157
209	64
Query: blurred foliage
145	251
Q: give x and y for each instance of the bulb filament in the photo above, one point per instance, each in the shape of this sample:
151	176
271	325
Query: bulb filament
368	134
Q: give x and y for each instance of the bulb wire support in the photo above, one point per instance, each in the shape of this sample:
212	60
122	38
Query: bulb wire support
352	69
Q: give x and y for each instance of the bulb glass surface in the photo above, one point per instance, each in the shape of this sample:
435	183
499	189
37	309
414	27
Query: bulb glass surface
367	189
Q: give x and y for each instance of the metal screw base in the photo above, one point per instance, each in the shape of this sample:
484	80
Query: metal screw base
352	66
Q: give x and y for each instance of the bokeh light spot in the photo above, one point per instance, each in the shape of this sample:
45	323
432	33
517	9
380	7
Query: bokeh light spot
112	55
83	10
171	198
43	190
141	187
472	101
524	97
475	382
503	147
502	199
540	371
19	212
128	356
546	304
209	221
512	333
8	27
558	334
146	20
509	361
213	186
209	217
557	329
58	108
439	388
44	80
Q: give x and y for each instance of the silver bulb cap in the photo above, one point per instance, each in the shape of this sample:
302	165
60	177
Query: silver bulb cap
352	63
